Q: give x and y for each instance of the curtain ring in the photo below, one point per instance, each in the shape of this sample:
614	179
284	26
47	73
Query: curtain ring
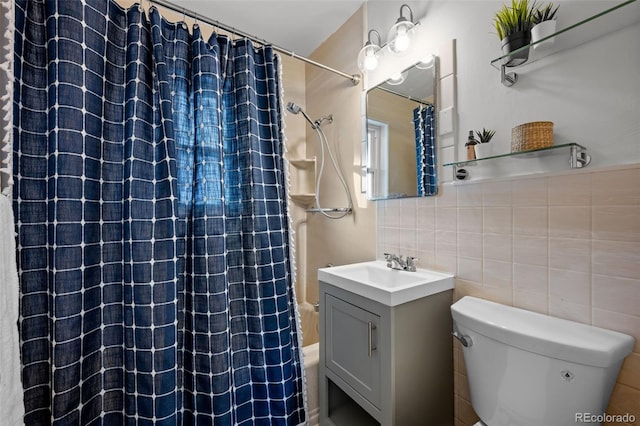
184	19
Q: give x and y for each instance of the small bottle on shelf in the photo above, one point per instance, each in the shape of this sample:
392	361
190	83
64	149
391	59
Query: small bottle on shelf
471	143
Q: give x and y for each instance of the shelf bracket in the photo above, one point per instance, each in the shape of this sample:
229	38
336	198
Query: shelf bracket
579	158
507	78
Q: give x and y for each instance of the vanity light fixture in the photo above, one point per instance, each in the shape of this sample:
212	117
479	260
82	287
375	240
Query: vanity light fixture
398	37
398	41
368	55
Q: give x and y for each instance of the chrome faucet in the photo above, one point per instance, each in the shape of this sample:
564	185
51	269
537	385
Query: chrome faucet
397	262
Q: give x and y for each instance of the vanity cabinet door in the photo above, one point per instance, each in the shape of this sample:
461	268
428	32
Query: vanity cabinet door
351	347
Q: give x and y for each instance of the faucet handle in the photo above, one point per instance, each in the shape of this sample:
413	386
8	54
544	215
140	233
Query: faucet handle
411	264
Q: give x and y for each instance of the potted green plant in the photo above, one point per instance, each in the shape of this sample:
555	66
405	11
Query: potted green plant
513	25
482	147
544	25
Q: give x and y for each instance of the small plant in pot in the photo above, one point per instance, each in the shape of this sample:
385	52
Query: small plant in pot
482	147
544	25
513	25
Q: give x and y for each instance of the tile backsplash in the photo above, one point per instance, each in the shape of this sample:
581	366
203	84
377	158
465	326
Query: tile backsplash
567	246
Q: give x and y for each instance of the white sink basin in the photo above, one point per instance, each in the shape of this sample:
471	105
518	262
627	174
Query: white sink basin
390	287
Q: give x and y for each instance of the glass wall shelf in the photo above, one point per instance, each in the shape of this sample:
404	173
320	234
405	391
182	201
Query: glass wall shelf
593	23
555	158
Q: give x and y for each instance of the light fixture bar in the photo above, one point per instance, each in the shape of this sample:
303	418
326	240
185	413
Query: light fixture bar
398	41
355	78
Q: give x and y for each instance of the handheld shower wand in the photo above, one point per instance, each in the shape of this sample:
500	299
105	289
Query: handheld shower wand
316	125
295	109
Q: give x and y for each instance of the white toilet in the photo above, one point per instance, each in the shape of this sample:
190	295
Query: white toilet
529	369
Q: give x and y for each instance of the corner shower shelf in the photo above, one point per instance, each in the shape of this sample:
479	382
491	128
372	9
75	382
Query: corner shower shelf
574	35
303	187
303	178
555	158
304	200
305	163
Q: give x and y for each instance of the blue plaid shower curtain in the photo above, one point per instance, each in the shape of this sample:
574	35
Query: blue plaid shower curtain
425	134
152	223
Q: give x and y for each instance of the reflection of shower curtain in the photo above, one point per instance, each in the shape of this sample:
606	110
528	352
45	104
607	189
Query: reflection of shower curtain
425	132
152	222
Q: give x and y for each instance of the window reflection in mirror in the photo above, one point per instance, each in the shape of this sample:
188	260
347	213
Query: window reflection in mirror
398	158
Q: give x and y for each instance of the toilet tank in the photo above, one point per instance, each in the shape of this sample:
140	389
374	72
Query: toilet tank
530	369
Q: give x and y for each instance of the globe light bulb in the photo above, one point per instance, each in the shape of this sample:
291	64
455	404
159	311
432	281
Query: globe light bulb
402	40
368	55
370	61
399	34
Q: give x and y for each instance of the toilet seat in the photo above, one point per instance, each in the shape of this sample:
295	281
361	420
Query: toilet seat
480	423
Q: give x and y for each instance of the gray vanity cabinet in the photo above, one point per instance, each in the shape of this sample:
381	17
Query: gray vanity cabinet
351	352
385	365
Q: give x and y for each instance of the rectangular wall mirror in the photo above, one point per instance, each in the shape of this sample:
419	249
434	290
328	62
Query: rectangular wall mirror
399	153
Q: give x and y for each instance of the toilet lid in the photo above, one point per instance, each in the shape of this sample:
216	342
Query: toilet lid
480	423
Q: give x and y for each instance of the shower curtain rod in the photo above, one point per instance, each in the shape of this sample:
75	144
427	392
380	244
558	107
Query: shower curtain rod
402	95
355	78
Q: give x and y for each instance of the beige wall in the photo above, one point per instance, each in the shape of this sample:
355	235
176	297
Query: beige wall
351	239
567	246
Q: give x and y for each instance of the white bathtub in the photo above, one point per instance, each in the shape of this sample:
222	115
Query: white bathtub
311	367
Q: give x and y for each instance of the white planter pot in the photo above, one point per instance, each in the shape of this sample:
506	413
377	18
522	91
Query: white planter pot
483	150
542	30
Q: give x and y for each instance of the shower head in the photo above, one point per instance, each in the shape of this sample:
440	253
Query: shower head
295	109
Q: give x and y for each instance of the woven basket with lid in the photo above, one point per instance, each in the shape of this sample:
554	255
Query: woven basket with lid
534	135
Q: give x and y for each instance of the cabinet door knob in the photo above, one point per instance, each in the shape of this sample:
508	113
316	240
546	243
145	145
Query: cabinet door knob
371	327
